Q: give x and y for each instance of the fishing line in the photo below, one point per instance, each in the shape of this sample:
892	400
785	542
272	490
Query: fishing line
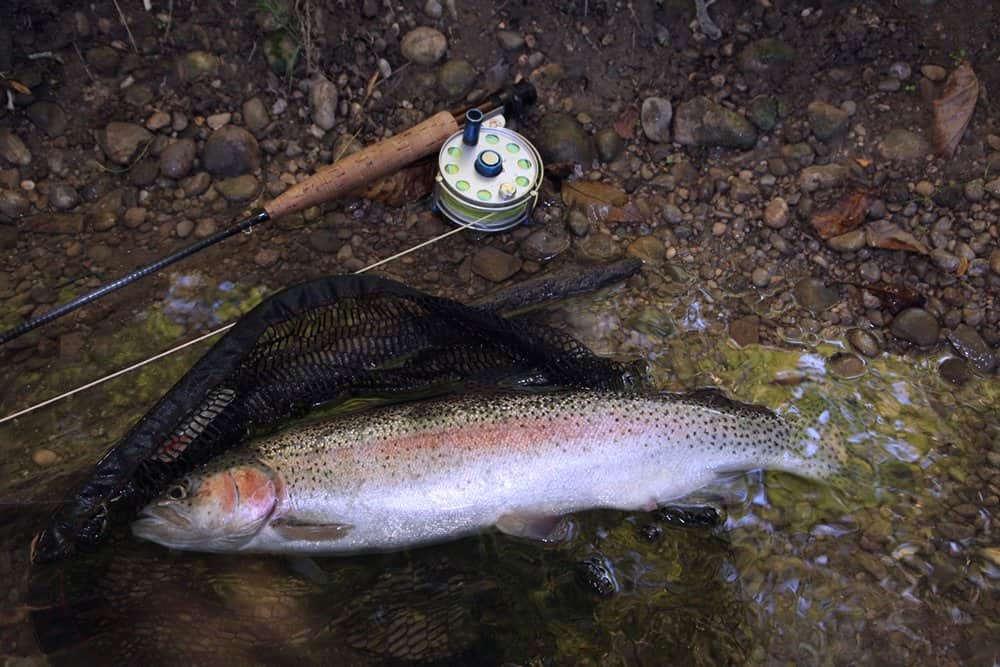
226	327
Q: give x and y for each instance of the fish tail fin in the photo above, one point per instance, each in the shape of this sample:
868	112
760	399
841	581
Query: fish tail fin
820	431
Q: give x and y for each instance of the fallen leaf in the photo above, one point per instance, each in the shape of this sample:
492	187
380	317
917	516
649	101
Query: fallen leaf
842	218
403	187
625	125
561	170
896	298
884	234
17	86
864	163
953	108
600	201
963	266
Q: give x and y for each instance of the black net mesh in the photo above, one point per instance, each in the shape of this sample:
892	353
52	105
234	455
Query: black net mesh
308	345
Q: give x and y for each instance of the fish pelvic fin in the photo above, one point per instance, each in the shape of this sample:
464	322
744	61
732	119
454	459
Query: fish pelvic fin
294	529
540	527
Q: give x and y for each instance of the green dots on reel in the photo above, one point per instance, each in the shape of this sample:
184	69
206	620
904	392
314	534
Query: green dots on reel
454	151
513	148
463	186
524	164
451	169
492	139
483	195
522	181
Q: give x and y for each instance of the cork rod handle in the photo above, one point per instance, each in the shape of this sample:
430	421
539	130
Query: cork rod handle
365	166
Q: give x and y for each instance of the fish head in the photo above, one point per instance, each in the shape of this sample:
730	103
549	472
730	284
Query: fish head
216	508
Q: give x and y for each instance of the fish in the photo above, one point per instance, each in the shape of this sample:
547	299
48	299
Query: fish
411	474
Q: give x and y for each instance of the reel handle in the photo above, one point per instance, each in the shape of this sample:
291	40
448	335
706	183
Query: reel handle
367	165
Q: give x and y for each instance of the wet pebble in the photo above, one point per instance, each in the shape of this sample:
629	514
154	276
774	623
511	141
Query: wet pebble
902	145
917	326
864	342
827	121
423	45
763	112
579	225
13	150
196	65
103	60
824	176
134	217
49	117
649	249
995	261
955	531
852	241
847	365
44	457
205	228
238	188
562	139
13	204
122	141
760	277
266	257
433	9
177	159
702	122
745	330
544	244
158	121
231	151
325	241
456	77
656	115
993	187
184	228
495	264
510	40
813	294
599	247
255	115
970	345
768	56
609	144
776	213
934	72
596	574
323	102
63	196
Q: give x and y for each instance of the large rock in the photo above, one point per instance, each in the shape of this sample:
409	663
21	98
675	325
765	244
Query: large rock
822	176
49	117
13	204
917	326
767	56
563	139
255	115
544	244
104	60
177	159
702	122
423	46
456	77
968	343
323	102
656	116
55	223
903	146
238	188
122	141
495	264
231	151
12	149
196	65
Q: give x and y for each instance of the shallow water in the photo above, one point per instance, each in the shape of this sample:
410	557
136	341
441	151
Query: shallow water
900	567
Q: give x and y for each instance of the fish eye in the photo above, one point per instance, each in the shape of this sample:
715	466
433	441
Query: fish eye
177	492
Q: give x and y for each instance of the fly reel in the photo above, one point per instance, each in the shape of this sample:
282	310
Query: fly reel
488	177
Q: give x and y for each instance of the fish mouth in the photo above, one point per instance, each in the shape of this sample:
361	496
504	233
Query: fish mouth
152	521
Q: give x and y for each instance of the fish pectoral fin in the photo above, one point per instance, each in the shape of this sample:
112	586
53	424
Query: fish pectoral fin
541	527
295	529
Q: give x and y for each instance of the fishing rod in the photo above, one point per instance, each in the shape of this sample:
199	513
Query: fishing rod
330	182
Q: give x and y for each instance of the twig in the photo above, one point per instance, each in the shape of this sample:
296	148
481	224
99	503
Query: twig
83	62
134	162
48	55
370	88
121	15
10	100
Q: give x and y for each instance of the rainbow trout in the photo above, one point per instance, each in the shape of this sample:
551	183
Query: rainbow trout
416	473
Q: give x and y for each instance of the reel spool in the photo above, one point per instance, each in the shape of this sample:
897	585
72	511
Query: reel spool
488	177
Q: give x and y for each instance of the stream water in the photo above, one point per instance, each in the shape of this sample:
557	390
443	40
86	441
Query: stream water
901	567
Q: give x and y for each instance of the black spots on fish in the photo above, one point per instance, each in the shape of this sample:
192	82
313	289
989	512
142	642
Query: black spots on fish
650	532
595	573
688	517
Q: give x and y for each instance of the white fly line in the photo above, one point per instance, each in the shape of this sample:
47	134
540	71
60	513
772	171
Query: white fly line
222	329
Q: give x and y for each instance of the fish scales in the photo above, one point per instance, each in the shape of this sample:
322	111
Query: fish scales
424	472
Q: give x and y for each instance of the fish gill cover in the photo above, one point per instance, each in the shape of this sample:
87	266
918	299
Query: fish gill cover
310	344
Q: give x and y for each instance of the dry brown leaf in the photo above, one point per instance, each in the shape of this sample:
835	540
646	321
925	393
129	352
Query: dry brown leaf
625	125
600	201
560	170
953	108
863	162
884	234
895	298
403	187
17	86
842	218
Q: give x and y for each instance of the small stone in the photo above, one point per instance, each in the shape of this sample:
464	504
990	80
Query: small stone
917	326
822	177
433	9
764	112
177	159
49	117
609	144
455	78
255	115
494	264
423	45
745	330
205	228
510	40
544	244
900	70
158	121
13	150
579	225
13	204
864	342
974	190
813	294
993	188
138	95
122	141
760	277
776	213
196	184
851	241
266	257
184	228
889	85
955	371
649	249
767	56
934	72
995	261
196	65
547	75
702	122
970	345
134	217
325	241
847	365
903	146
656	115
103	60
323	102
56	223
144	173
231	151
827	121
238	188
63	197
217	120
599	248
924	188
563	139
44	457
944	260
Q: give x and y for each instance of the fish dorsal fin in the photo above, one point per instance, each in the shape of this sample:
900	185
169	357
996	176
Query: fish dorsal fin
541	527
291	528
